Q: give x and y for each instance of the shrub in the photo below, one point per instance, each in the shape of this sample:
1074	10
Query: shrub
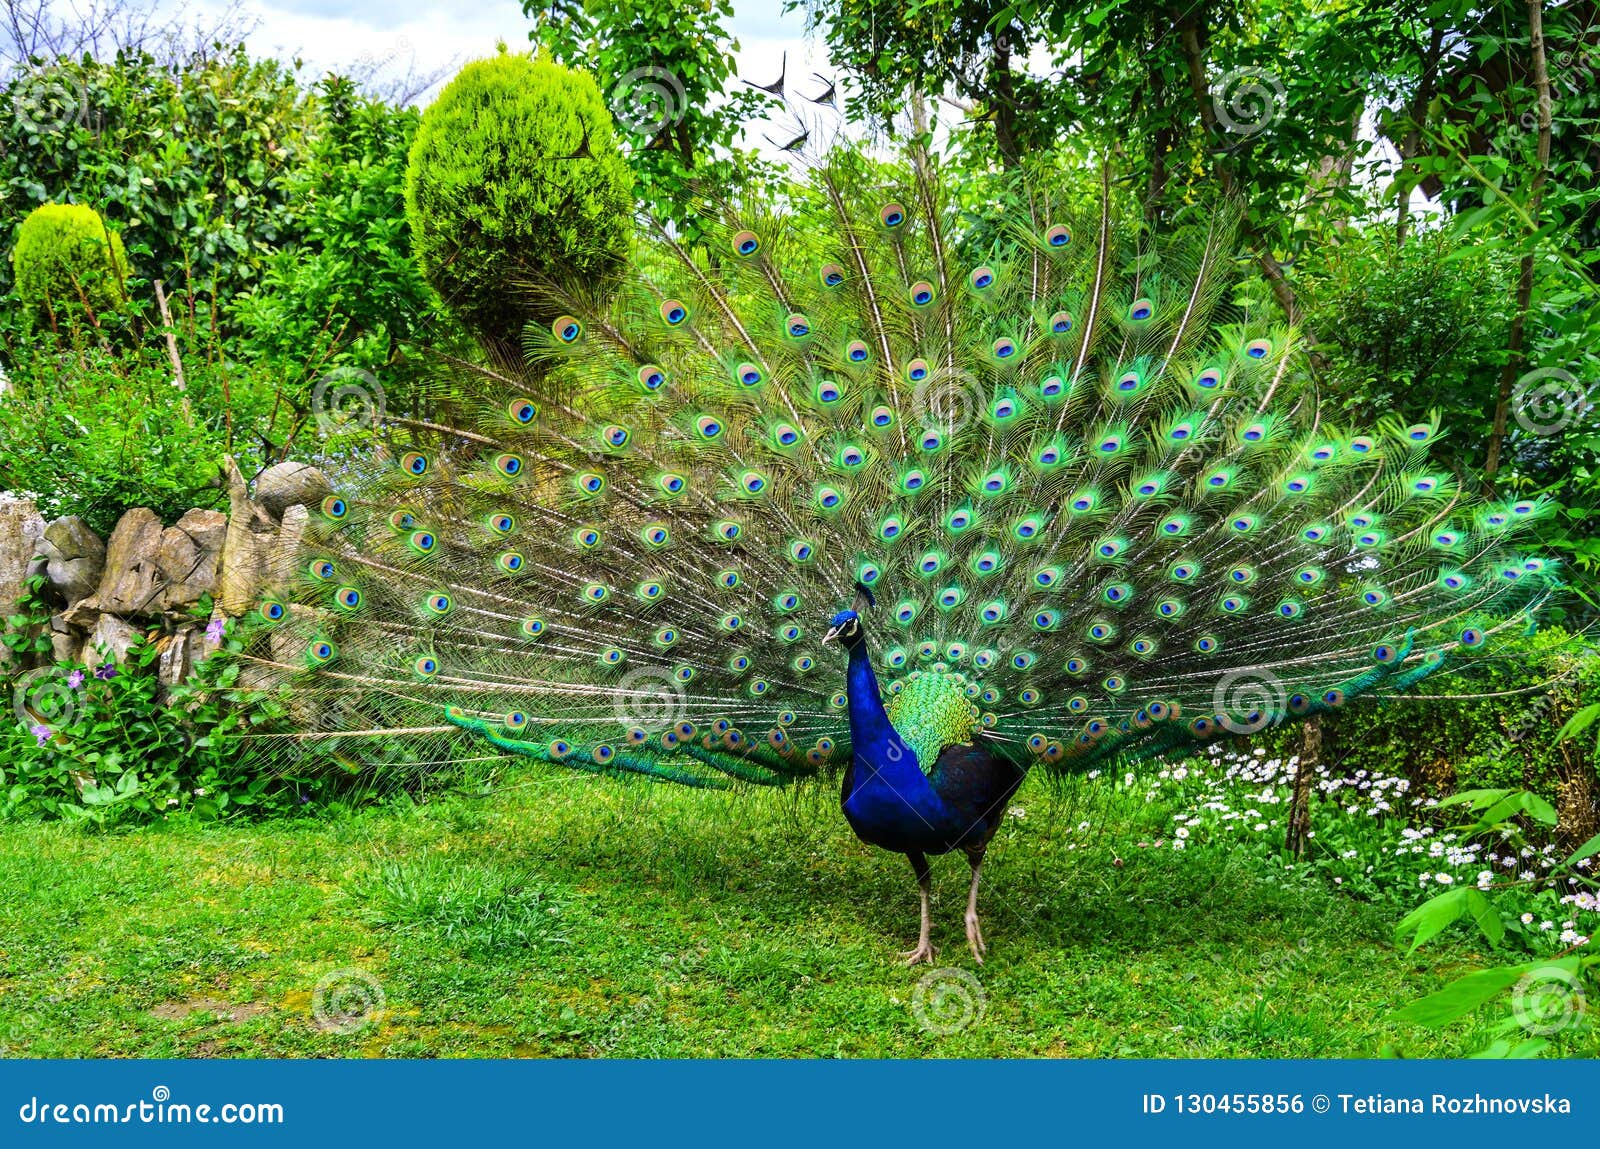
500	196
192	162
1489	721
1411	328
101	745
97	433
65	258
346	290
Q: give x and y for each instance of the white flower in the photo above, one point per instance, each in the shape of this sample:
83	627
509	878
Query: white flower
1527	919
1444	879
1543	926
1181	832
1017	812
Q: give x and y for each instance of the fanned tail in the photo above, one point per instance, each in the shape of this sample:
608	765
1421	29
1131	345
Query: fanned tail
1068	470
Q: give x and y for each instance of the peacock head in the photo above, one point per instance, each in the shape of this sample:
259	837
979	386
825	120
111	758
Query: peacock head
846	626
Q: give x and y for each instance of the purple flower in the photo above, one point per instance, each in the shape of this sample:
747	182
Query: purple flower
40	732
75	679
105	673
216	629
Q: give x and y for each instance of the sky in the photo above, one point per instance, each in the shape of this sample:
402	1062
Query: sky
331	34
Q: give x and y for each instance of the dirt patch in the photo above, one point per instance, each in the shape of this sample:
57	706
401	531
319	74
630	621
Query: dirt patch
178	1010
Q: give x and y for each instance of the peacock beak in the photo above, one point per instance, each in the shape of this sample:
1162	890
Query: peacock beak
831	635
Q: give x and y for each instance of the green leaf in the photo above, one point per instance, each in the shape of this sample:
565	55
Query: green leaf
1503	1048
1478	799
1588	849
1460	997
1540	810
1579	722
1484	915
1432	917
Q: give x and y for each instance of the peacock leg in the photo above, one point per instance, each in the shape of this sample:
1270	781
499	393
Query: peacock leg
924	951
974	933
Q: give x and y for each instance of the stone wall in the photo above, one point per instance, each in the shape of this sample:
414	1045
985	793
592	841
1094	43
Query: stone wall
147	580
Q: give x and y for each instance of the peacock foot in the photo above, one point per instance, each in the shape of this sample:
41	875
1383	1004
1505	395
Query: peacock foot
923	953
975	939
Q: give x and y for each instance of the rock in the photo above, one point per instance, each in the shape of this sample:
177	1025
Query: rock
75	558
66	643
247	548
21	527
179	652
285	485
286	547
131	583
189	557
110	641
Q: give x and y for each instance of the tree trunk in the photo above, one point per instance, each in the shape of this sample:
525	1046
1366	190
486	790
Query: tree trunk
1271	269
1003	101
1298	835
1411	145
1516	358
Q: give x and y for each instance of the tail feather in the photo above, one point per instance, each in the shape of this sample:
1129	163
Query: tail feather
1065	466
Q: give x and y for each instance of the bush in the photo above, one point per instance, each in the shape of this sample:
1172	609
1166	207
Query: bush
102	746
1488	721
66	258
96	433
497	203
1411	328
347	291
193	163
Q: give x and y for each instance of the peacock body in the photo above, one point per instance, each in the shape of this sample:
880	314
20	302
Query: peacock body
1085	509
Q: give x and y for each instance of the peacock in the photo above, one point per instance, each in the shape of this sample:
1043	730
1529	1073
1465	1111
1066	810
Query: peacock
864	481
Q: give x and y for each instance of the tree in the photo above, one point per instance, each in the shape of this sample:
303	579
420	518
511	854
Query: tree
667	70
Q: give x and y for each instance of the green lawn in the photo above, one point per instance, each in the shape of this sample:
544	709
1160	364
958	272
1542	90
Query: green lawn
575	916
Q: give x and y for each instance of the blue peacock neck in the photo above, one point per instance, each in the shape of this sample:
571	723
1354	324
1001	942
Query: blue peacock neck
881	757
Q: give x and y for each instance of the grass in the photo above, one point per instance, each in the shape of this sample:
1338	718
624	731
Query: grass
574	916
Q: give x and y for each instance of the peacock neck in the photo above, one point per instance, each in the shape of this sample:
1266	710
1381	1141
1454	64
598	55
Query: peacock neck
869	722
880	755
